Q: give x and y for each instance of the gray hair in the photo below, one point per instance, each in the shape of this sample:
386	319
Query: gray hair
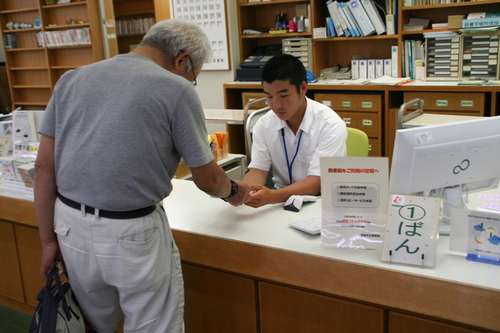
175	36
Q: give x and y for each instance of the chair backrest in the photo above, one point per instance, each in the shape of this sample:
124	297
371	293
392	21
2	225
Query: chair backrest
357	142
250	119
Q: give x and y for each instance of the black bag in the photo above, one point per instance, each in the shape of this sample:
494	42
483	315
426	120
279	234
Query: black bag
57	310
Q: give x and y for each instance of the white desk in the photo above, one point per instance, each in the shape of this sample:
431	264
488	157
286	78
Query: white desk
453	290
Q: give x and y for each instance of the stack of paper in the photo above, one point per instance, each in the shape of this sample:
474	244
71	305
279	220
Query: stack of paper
390	81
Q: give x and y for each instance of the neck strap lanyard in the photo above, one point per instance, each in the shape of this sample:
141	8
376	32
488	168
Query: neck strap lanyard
288	164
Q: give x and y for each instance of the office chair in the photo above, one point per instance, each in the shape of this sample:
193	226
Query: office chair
249	120
357	142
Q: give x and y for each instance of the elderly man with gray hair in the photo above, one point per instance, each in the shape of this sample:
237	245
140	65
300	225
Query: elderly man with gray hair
112	136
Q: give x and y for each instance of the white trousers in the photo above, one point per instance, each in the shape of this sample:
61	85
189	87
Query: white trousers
123	268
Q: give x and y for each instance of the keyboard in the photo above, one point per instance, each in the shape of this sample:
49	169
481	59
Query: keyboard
311	226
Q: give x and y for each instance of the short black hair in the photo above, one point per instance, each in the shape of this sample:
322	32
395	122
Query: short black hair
284	67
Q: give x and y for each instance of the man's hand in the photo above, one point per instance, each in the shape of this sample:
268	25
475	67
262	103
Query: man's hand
243	195
51	256
261	196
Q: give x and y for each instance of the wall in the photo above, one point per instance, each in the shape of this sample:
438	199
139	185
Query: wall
210	83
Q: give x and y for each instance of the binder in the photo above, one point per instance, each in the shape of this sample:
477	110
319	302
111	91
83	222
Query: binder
346	20
342	22
379	68
361	17
388	67
330	27
389	20
363	69
336	20
370	68
351	19
374	16
355	69
394	60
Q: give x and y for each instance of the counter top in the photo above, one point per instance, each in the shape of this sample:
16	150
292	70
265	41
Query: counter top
190	210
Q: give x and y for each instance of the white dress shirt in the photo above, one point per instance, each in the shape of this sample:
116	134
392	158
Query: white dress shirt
323	134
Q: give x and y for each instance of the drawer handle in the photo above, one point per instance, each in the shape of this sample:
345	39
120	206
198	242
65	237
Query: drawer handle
442	102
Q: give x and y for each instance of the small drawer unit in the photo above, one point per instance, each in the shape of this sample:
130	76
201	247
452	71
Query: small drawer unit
472	104
480	56
300	48
361	111
443	57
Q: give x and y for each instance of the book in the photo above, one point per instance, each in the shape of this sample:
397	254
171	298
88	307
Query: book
481	22
481	15
374	16
361	17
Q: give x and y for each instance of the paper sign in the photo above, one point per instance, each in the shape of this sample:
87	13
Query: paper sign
354	194
484	237
411	230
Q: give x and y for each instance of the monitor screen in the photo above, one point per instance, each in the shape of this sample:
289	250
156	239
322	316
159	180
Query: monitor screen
447	160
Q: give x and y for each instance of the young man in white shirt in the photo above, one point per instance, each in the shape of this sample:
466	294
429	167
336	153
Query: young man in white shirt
293	137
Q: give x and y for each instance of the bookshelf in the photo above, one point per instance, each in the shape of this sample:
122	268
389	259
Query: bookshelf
327	52
132	18
34	69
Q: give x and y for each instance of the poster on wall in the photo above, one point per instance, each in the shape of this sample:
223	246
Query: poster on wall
210	15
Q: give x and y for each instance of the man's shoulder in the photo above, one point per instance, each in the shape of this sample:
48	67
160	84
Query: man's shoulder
322	112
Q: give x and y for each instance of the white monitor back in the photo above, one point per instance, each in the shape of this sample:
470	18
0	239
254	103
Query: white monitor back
438	156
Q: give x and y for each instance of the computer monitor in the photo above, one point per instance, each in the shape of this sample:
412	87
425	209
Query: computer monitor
447	160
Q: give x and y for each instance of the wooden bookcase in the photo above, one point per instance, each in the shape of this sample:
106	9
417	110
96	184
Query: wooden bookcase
328	52
133	10
33	70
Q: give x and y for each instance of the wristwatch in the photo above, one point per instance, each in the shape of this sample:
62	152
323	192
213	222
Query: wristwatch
234	190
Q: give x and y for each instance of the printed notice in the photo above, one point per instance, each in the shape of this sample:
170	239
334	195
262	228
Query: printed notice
354	201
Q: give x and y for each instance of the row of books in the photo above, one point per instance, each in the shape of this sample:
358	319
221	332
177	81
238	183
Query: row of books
134	26
64	37
413	57
354	18
408	3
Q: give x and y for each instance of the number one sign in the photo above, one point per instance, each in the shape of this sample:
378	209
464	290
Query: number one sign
411	230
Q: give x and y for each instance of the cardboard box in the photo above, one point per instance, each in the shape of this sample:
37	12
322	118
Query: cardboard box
455	21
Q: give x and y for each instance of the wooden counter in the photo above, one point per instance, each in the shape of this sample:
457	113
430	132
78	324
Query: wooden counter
245	270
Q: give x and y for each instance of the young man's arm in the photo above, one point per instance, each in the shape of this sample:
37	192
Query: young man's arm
311	185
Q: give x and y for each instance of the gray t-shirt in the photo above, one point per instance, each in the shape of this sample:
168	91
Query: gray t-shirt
120	127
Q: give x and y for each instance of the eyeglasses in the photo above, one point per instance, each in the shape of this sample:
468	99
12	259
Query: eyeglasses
192	67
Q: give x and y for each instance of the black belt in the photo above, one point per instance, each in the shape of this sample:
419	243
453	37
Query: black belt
131	214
